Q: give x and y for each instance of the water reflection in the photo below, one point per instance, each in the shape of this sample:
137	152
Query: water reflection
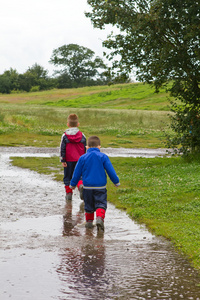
70	221
111	271
118	265
81	269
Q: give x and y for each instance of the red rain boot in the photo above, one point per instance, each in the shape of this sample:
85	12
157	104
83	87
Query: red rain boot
68	193
100	215
89	217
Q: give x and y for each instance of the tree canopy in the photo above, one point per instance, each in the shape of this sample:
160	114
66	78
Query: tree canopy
77	64
78	67
161	38
34	79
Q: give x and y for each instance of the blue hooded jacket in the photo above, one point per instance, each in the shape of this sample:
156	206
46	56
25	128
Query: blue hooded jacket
92	166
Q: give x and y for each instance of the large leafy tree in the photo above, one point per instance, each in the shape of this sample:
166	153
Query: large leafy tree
161	38
78	65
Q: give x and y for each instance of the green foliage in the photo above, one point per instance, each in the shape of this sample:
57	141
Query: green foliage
78	65
36	76
9	81
35	88
115	76
38	71
186	124
161	39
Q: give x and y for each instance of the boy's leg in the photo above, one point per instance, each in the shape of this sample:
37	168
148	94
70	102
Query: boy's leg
100	197
68	172
69	193
89	217
100	213
89	207
80	183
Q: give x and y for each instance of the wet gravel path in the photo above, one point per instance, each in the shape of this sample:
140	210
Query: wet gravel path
45	256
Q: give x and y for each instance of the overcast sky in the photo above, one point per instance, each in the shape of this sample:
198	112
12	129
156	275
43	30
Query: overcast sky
31	29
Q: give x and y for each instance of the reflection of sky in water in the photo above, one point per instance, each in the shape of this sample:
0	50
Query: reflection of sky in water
112	152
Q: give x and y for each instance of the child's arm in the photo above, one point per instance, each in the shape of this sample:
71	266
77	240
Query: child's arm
63	150
111	171
84	141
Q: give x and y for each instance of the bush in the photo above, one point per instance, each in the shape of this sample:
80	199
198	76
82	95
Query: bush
35	88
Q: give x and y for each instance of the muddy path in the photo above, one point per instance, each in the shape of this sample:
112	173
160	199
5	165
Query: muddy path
45	252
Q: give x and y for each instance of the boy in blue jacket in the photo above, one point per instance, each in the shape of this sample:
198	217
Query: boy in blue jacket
92	166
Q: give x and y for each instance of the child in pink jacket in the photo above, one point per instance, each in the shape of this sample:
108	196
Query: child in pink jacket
72	146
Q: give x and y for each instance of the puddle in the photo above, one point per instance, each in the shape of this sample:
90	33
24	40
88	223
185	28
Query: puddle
112	152
44	255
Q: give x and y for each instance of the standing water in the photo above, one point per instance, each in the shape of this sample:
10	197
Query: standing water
45	252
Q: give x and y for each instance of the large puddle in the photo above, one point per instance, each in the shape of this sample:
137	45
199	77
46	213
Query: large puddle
45	252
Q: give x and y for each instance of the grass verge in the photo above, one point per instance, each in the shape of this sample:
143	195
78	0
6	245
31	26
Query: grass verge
162	193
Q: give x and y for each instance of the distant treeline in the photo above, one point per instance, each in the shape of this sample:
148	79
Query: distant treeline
78	68
36	79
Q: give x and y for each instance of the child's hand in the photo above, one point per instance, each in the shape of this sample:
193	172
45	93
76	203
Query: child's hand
118	184
64	164
72	187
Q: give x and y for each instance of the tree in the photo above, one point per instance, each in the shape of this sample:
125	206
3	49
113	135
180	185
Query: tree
161	38
9	81
35	78
77	63
40	77
64	81
38	71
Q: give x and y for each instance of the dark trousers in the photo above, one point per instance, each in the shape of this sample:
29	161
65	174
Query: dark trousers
94	199
68	172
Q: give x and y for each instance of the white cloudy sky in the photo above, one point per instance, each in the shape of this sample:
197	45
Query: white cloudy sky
31	29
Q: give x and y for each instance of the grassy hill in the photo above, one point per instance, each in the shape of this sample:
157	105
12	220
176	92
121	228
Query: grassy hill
119	96
123	115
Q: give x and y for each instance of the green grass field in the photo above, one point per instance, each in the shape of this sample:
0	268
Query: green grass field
129	115
120	96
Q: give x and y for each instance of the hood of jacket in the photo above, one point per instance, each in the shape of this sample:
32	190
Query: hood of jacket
73	134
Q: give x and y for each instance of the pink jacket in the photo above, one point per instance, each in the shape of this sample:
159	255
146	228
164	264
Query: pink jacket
72	146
